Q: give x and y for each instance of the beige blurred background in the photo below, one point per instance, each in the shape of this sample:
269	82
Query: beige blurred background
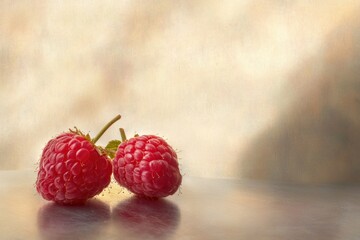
264	90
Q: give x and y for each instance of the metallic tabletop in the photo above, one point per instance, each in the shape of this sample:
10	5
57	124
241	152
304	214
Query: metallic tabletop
203	209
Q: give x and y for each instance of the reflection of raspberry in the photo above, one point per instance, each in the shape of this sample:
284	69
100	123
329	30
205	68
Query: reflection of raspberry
143	218
72	169
147	166
56	222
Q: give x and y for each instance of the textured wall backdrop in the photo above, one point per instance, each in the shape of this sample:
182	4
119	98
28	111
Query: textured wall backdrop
259	89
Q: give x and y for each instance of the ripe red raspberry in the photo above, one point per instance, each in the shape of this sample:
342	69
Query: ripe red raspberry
147	166
72	169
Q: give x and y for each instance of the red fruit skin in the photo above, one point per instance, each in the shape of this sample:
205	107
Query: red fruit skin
72	170
147	166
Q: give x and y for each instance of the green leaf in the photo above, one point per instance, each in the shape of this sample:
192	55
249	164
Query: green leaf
111	147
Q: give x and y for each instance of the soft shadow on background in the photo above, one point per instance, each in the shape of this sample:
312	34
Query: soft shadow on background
255	89
316	138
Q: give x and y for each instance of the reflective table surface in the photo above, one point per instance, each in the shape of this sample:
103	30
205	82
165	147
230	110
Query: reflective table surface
204	209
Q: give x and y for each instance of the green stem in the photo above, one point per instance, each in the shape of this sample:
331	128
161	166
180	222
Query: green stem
103	130
123	135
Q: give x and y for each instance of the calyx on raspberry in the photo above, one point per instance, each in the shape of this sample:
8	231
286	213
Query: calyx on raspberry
146	165
72	168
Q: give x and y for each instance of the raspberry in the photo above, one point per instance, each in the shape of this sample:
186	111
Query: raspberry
72	169
147	166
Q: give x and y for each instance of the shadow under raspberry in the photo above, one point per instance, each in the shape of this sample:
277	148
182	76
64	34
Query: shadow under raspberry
73	222
147	218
